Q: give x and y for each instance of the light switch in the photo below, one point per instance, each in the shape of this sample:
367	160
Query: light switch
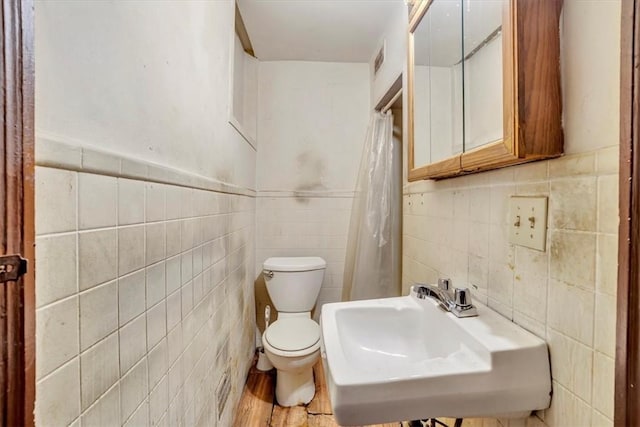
528	222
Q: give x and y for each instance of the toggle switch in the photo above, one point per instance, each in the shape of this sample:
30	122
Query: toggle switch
528	222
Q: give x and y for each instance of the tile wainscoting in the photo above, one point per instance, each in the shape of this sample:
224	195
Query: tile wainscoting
306	224
458	228
144	291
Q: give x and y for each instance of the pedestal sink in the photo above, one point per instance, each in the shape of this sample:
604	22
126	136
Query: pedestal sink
405	358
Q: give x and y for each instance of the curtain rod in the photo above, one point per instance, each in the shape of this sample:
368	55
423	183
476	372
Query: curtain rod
393	99
485	42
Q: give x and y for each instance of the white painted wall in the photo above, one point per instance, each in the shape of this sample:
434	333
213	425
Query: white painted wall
395	37
312	122
582	96
110	79
244	108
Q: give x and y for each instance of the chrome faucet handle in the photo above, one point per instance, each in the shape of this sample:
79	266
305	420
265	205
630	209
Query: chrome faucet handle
462	306
462	297
444	284
420	290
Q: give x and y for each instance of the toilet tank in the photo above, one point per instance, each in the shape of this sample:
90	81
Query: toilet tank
294	283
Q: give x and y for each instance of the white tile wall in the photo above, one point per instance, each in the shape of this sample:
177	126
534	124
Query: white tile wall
59	395
106	411
58	192
97	256
99	313
145	298
57	260
307	226
566	295
97	201
58	326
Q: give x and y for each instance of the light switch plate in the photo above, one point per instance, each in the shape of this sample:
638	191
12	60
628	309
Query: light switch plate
528	222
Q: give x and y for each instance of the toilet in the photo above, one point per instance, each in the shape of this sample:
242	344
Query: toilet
292	343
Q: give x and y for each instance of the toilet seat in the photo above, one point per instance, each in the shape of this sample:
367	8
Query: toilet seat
292	336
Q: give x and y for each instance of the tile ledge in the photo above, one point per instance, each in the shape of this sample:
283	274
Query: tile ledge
62	155
306	193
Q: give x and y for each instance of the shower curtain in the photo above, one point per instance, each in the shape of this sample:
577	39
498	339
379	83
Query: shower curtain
372	264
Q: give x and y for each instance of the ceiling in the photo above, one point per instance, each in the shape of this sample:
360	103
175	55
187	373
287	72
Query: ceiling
317	30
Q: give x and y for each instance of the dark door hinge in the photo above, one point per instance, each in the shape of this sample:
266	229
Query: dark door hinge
12	267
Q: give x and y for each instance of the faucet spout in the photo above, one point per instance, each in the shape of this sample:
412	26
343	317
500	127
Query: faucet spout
423	291
459	303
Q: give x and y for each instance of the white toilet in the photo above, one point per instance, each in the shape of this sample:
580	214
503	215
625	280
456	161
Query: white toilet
292	343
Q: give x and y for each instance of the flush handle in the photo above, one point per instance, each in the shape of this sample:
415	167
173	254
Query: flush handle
268	274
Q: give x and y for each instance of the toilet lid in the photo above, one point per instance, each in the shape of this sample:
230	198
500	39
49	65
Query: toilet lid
293	334
294	263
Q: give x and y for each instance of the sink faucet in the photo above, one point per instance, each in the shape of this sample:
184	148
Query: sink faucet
458	303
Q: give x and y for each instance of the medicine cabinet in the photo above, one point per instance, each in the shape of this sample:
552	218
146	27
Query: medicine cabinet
483	85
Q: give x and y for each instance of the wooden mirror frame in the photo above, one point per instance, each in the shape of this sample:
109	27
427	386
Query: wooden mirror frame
532	98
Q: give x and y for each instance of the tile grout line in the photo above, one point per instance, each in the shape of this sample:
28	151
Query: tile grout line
117	258
595	287
77	268
146	296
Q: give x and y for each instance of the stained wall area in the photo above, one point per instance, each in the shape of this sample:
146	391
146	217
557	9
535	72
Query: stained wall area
566	295
145	202
312	121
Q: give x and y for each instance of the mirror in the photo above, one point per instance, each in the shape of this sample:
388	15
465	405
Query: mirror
482	72
470	62
438	129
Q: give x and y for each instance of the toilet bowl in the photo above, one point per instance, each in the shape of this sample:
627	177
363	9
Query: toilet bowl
292	343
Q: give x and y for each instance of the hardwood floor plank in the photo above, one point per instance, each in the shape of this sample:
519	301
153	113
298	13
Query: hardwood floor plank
321	403
295	416
257	407
322	420
256	404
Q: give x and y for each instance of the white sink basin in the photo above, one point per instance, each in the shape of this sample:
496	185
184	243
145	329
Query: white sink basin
405	358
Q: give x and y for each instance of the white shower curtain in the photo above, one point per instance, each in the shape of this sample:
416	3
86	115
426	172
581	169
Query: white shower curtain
372	264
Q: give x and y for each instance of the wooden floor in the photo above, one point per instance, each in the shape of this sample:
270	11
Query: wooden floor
258	407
